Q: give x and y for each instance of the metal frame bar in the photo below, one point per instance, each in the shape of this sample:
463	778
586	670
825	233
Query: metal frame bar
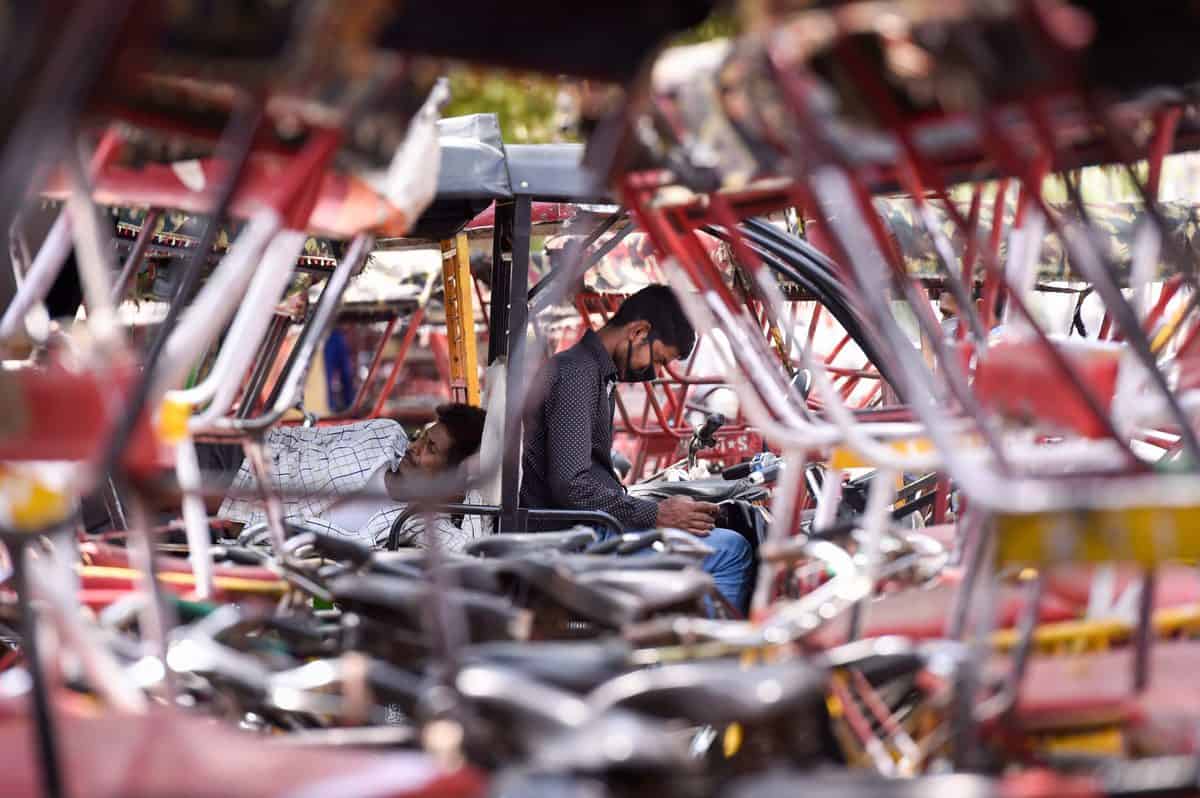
1143	640
133	262
1102	273
514	331
267	354
361	397
43	726
869	83
501	296
410	333
591	239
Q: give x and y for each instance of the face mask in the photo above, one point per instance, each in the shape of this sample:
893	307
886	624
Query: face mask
630	374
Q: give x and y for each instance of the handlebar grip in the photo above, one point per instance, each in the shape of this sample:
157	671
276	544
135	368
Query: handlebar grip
606	546
712	423
738	471
336	547
624	544
640	542
239	555
391	685
769	473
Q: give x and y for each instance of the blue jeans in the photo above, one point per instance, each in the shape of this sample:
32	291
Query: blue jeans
728	565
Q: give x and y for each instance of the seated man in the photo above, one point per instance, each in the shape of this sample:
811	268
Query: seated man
330	464
567	460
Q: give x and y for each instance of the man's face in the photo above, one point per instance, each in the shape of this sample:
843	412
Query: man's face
640	355
427	454
948	305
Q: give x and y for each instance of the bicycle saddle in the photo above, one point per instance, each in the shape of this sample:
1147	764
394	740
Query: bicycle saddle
673	540
848	784
396	568
519	782
201	655
681	630
400	602
304	637
508	545
524	710
238	555
392	685
882	659
655	590
259	535
715	490
336	547
543	576
616	741
547	578
578	667
582	563
718	692
470	573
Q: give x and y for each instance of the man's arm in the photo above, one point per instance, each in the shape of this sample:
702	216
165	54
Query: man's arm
570	408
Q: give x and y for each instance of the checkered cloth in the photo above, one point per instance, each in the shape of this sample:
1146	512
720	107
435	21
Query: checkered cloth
322	465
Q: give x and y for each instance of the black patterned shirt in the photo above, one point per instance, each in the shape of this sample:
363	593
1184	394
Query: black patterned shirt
567	462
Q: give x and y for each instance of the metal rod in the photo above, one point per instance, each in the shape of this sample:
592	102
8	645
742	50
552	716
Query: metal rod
45	739
1029	621
94	257
968	675
952	373
484	306
375	361
410	332
945	255
273	396
112	504
133	263
52	254
18	248
592	237
501	239
974	532
156	618
1145	632
262	366
257	458
517	322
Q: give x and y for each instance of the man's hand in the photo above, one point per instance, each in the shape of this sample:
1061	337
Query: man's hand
681	512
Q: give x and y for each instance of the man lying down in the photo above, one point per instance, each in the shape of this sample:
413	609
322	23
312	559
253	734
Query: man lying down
324	465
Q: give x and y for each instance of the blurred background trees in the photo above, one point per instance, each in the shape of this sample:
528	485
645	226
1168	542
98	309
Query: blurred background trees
535	109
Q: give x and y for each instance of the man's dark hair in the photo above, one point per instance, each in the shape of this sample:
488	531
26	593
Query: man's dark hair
658	305
465	424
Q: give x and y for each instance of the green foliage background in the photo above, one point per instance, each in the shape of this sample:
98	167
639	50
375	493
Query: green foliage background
525	103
